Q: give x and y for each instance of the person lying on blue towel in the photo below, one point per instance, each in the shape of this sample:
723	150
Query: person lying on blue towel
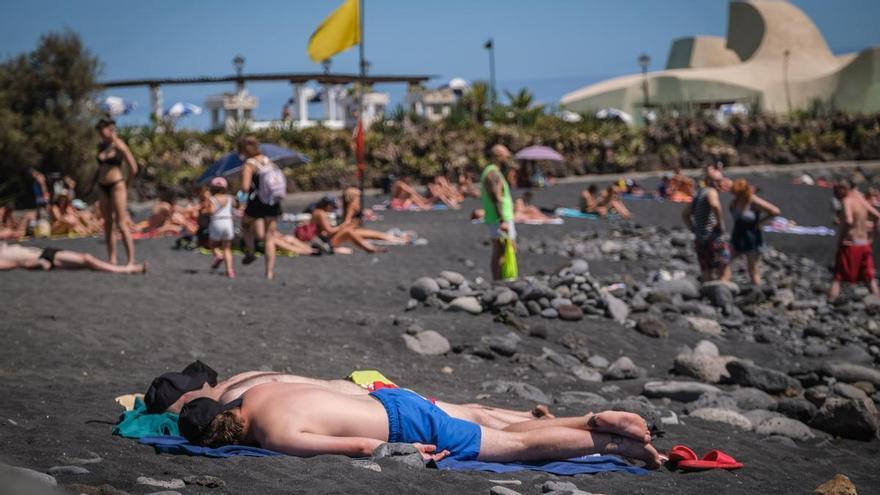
307	420
169	392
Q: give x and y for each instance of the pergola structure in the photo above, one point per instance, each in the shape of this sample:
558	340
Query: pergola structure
298	80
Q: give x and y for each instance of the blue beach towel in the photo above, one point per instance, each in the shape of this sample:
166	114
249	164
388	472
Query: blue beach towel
579	465
590	464
138	423
575	213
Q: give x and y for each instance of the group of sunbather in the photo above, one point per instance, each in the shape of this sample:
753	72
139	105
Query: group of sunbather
304	416
404	195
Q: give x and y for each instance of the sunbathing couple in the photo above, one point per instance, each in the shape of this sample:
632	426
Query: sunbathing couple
304	416
604	203
523	212
14	256
405	197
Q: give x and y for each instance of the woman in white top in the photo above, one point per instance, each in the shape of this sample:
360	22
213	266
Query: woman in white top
221	230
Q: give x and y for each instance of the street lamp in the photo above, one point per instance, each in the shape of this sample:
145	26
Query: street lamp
238	63
644	61
325	64
785	61
490	45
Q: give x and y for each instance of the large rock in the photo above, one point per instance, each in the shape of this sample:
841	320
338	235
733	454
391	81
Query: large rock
704	325
652	326
840	484
624	369
427	343
726	416
468	304
524	390
750	398
504	345
786	427
709	369
404	453
797	408
615	308
856	419
680	391
770	381
423	287
683	287
453	278
720	294
8	472
851	373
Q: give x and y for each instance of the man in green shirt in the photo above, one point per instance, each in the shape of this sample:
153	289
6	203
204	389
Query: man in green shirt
498	205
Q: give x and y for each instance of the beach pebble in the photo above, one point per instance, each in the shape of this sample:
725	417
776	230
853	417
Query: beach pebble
624	369
749	398
30	474
405	453
851	372
586	373
855	419
766	379
716	401
73	470
172	484
428	343
204	480
454	278
570	312
104	489
550	313
709	369
652	326
796	408
423	287
524	390
840	484
597	361
706	348
504	297
848	391
502	490
468	304
411	304
683	287
615	308
552	486
367	464
678	390
786	427
504	345
732	418
704	325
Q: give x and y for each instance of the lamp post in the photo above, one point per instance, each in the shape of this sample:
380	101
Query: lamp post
644	60
325	64
785	58
490	45
238	63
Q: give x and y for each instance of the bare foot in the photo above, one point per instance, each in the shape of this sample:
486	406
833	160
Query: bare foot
542	411
621	423
618	445
270	276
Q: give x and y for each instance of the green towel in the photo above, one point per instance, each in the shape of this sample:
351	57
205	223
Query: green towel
137	423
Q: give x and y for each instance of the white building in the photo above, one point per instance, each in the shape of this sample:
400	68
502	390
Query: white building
437	104
229	110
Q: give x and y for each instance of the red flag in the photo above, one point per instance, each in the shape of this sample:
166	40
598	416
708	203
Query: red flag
359	149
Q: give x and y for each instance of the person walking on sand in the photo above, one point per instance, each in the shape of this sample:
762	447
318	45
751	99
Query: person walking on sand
266	187
705	218
854	261
221	230
14	256
113	187
498	206
750	213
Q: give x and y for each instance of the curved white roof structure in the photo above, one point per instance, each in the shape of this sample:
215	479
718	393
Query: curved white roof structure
773	54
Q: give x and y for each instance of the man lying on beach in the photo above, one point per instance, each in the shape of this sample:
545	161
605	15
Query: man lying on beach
305	420
405	197
171	391
17	256
525	212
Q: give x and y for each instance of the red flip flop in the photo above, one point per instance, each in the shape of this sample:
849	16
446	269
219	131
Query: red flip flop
686	459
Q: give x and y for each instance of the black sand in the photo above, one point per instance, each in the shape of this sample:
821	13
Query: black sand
73	341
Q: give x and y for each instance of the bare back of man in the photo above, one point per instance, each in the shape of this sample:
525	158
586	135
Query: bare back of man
854	261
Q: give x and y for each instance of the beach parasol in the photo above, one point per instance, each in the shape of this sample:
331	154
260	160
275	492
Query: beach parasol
180	109
614	113
538	153
115	105
230	163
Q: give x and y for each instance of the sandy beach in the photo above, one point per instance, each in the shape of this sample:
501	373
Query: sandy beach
75	340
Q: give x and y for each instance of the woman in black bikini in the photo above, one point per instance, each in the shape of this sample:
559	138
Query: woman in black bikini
112	187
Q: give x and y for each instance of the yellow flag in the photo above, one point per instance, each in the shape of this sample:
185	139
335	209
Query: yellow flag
340	31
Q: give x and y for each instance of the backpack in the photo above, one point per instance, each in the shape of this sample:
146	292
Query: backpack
273	183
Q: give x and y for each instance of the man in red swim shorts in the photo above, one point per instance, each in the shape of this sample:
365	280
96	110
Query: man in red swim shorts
858	224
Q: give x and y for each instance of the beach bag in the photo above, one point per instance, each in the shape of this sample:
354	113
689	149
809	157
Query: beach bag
306	232
509	270
273	183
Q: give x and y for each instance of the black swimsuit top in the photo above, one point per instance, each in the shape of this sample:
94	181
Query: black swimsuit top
114	160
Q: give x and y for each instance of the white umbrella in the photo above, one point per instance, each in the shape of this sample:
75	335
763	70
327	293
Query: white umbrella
115	105
180	109
614	113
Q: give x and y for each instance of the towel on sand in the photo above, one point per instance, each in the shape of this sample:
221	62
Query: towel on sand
782	225
137	423
575	213
571	467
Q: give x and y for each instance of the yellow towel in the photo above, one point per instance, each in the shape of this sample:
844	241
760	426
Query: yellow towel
366	378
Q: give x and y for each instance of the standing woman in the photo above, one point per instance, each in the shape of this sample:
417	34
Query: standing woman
750	213
113	187
254	165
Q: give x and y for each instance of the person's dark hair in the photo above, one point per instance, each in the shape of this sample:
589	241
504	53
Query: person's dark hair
224	430
325	202
593	189
104	122
248	143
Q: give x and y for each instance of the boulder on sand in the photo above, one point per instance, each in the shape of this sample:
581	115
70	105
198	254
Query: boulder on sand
726	416
855	419
770	381
704	325
709	369
468	304
624	369
427	343
652	326
680	391
423	287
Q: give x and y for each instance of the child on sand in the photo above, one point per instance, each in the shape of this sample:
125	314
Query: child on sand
221	231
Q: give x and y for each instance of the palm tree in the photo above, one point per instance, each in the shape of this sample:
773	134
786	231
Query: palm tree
522	106
476	101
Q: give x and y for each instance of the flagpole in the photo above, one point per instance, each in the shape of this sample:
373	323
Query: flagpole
362	168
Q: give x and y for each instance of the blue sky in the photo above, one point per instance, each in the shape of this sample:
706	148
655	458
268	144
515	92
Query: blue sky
551	46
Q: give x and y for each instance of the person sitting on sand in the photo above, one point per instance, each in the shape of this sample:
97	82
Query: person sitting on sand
336	235
858	221
680	187
171	391
610	202
440	190
405	197
11	227
351	207
305	420
64	217
525	211
17	256
466	186
705	217
590	199
750	213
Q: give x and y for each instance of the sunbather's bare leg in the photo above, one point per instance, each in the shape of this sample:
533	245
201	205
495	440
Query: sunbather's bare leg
75	260
560	443
292	244
353	237
376	235
613	422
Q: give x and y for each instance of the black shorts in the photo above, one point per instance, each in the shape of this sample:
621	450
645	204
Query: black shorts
48	254
257	209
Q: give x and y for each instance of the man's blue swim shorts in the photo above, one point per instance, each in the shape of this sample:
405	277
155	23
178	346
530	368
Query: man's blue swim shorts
412	418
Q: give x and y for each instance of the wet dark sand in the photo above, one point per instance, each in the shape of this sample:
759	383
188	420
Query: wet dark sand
73	341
